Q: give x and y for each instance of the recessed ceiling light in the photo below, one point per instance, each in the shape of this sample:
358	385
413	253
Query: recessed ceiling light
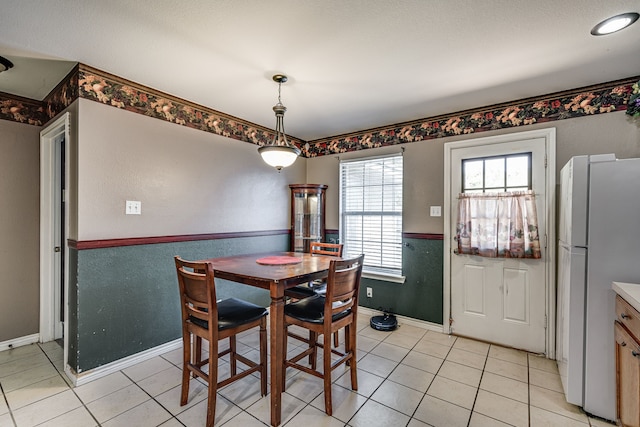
615	23
5	64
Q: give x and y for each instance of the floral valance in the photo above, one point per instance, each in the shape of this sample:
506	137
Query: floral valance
497	225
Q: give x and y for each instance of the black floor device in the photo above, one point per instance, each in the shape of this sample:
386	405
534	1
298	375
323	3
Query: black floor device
385	322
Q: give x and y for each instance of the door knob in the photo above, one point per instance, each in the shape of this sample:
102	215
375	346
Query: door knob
56	249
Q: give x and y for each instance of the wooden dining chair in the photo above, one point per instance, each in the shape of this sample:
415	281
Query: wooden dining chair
205	318
319	286
325	315
309	290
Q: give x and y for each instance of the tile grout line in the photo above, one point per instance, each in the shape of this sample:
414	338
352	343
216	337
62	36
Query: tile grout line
62	375
6	402
434	375
486	359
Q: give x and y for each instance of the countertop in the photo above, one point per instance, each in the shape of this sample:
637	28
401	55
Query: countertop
629	291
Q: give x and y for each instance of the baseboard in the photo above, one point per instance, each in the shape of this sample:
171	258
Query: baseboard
423	324
19	342
109	368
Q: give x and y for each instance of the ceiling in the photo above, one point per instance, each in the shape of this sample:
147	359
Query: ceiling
352	64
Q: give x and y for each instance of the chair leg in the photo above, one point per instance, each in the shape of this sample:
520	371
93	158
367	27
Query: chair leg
285	340
232	356
263	356
213	383
351	332
326	373
186	360
347	343
336	339
197	352
313	357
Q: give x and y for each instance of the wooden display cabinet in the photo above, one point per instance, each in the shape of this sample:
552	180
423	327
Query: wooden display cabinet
307	215
627	331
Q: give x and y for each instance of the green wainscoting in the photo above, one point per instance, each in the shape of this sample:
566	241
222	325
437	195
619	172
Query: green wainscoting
124	300
420	296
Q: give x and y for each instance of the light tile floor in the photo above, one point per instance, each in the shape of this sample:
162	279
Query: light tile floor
410	377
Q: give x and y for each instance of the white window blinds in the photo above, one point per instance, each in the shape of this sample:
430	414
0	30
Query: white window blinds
371	212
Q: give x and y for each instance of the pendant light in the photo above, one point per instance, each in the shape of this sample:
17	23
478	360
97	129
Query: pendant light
279	153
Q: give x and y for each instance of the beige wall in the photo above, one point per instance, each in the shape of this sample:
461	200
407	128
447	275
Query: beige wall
424	163
19	229
188	181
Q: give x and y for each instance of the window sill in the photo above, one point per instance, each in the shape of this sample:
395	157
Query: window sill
384	277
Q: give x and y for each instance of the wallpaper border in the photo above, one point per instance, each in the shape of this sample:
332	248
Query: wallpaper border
99	86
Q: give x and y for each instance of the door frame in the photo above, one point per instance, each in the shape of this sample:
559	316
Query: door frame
50	325
549	252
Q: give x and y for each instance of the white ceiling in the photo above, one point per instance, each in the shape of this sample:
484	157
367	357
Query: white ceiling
352	64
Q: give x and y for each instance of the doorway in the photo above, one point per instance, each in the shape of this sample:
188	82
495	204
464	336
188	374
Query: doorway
53	230
509	302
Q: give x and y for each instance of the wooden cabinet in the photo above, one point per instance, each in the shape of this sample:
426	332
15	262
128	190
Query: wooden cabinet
307	215
627	334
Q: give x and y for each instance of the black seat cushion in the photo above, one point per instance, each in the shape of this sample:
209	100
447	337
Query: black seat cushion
311	310
234	312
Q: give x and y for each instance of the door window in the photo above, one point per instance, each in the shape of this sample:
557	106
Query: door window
497	173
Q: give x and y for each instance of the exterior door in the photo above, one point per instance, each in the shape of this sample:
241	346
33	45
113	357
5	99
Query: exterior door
500	300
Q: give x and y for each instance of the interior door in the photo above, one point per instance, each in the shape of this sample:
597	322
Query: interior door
59	233
500	300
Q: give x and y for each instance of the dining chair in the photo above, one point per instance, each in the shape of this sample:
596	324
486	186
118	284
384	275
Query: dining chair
203	317
310	289
319	286
325	315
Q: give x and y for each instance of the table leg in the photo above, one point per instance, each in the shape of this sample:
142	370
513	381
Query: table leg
276	315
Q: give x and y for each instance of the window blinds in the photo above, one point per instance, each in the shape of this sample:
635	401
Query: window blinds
371	212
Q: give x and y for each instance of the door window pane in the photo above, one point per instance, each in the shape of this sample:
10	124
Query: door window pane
497	173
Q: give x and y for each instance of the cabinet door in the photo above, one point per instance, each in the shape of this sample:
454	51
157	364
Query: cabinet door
627	377
307	215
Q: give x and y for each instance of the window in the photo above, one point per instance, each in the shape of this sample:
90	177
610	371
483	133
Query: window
371	213
497	174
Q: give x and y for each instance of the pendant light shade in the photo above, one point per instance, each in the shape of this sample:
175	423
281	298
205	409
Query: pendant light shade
277	156
279	153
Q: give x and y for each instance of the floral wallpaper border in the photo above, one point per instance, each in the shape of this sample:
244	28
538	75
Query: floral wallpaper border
38	113
99	86
604	98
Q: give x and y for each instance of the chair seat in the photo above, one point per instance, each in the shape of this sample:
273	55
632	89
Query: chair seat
234	312
311	310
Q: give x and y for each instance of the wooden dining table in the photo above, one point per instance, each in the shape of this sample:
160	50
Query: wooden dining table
276	278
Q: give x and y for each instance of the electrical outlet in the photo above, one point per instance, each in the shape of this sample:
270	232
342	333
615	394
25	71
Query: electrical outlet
369	292
133	207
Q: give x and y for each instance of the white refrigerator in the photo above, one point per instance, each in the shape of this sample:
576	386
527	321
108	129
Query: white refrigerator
599	242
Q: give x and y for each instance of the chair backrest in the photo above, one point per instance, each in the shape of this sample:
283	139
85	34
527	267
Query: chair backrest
197	291
343	285
330	249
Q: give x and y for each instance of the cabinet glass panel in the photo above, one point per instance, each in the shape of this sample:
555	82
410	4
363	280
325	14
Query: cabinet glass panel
307	215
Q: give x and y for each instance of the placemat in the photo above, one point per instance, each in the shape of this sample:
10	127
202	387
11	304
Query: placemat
278	260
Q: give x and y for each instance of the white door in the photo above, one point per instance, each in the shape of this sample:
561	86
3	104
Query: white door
53	229
499	300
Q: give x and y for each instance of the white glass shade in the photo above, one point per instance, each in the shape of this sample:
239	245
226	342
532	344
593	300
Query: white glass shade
279	156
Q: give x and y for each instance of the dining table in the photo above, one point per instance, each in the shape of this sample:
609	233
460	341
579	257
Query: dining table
276	272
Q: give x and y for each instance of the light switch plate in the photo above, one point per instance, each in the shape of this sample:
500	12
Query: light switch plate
133	207
436	211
